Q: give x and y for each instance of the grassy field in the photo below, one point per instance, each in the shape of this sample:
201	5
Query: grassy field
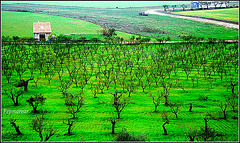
21	24
128	20
103	4
93	120
231	14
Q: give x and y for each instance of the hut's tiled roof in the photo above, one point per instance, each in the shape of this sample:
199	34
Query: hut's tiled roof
41	27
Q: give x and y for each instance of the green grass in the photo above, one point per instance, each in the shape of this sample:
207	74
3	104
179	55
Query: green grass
128	20
21	24
93	119
231	14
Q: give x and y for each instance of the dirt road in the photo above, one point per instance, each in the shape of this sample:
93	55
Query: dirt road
227	25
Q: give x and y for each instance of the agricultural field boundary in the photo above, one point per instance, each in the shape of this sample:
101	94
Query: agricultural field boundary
225	24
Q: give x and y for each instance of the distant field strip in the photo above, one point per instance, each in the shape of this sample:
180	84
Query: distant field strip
103	4
225	14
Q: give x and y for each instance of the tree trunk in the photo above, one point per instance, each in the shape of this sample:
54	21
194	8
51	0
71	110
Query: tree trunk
191	138
165	131
25	87
16	128
206	128
224	113
129	94
16	103
69	129
155	108
190	109
40	135
166	100
34	109
118	114
113	126
233	85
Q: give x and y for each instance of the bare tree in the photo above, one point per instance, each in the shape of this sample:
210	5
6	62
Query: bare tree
24	83
193	78
233	84
39	126
175	107
119	102
206	132
64	85
156	99
144	85
107	83
73	74
139	74
167	86
7	72
13	94
95	91
166	121
70	124
220	3
207	4
183	6
101	85
72	109
192	134
223	107
201	4
130	87
50	74
68	98
173	6
227	3
232	100
86	76
113	122
35	101
187	70
216	3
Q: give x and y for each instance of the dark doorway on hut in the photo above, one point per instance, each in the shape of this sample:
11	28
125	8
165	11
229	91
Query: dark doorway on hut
42	36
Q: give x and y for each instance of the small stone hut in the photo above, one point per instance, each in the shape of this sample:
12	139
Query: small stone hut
41	30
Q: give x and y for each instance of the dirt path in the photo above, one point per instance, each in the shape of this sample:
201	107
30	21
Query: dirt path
227	25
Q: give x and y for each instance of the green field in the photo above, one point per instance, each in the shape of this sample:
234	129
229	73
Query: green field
171	76
21	24
231	14
211	69
125	20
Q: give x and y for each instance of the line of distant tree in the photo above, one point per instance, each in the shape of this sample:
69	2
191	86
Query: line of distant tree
202	4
